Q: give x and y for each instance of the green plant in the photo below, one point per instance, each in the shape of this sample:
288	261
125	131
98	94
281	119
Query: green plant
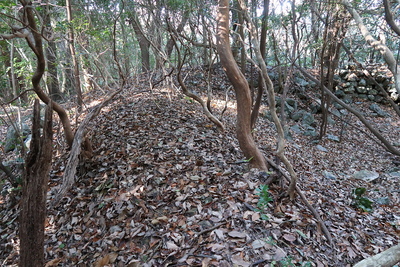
248	160
285	262
189	99
265	198
362	202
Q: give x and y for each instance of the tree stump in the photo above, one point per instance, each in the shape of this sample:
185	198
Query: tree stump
34	191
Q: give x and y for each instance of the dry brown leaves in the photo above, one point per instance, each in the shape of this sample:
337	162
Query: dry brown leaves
163	189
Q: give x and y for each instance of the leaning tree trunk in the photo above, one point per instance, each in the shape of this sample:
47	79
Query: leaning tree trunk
34	191
241	87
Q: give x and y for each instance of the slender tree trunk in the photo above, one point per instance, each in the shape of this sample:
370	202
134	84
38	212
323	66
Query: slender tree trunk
51	54
241	87
263	41
34	192
5	53
71	41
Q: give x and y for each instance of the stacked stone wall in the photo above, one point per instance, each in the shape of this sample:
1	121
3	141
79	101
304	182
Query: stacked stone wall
351	82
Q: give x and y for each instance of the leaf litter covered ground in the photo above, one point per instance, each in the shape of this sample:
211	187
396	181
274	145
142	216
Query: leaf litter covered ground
166	188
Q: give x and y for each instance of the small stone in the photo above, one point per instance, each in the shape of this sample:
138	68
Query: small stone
329	175
297	115
321	148
308	119
378	110
361	90
394	174
333	137
362	82
296	128
339	93
366	175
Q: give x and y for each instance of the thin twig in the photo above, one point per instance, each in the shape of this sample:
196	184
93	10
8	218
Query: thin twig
305	201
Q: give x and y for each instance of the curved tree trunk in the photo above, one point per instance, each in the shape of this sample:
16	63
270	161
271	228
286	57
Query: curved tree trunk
267	83
241	87
34	40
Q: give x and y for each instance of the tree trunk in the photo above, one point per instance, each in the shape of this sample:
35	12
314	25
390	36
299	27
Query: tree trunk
386	258
34	191
34	40
241	87
263	41
71	42
51	53
144	44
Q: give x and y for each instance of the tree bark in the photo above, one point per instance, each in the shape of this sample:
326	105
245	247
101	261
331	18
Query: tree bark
144	43
34	190
263	42
241	87
386	258
51	53
389	17
71	42
267	83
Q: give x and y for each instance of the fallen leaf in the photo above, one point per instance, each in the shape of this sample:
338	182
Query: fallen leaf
237	234
289	237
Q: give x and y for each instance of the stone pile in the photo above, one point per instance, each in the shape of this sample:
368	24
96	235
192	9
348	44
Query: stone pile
351	82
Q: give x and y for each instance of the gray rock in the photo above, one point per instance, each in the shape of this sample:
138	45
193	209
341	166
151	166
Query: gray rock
379	99
394	174
362	82
373	92
366	175
382	201
321	148
329	175
345	84
297	115
339	93
310	131
301	81
349	90
291	102
267	115
375	108
333	137
308	119
296	128
315	108
361	90
348	99
12	136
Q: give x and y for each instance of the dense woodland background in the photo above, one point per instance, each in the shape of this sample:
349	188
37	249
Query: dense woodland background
199	133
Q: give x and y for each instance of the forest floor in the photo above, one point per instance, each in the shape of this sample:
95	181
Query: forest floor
164	187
